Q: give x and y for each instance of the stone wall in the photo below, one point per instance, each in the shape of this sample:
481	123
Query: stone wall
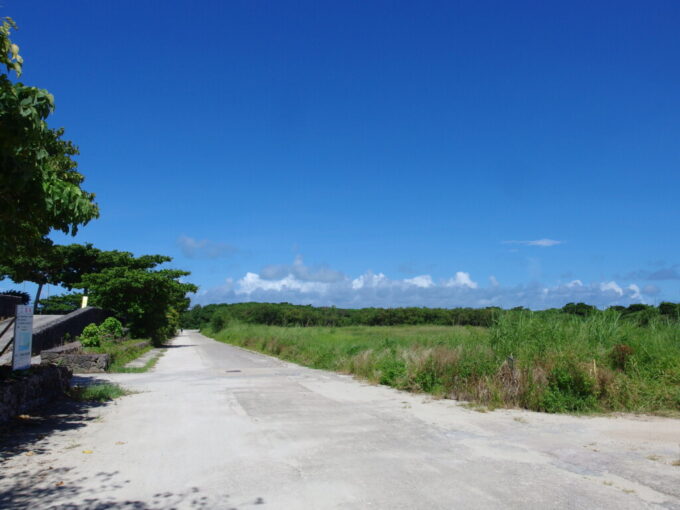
32	388
84	363
71	356
72	324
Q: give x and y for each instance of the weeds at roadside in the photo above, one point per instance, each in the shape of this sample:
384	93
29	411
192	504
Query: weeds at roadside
101	392
138	370
122	352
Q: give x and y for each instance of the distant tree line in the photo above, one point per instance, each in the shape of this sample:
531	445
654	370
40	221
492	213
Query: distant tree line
285	314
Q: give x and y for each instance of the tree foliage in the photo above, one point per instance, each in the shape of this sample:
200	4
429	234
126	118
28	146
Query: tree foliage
219	316
25	297
581	309
42	267
286	314
67	264
39	184
61	304
78	260
148	301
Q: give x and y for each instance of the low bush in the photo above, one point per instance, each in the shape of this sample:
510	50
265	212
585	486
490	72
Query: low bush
91	336
111	327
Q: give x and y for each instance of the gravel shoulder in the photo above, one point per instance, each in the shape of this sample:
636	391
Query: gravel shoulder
215	426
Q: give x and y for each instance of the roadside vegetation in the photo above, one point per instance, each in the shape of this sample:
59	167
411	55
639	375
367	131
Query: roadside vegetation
121	368
102	392
108	338
121	351
576	359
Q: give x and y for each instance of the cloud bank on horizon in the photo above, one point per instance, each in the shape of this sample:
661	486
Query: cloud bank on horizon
322	286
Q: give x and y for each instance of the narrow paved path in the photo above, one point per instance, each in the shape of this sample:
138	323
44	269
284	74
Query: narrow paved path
217	427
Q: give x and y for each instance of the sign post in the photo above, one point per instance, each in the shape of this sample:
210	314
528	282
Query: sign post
23	338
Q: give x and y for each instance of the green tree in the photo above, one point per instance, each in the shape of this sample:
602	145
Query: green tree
581	309
39	185
42	267
148	301
66	265
60	304
670	310
81	259
25	297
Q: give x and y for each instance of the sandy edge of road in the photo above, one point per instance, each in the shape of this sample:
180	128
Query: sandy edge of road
218	421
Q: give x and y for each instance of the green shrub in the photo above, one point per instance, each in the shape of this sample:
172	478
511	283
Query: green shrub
91	336
570	389
111	328
219	321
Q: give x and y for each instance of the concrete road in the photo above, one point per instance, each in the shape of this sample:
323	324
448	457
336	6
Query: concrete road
217	427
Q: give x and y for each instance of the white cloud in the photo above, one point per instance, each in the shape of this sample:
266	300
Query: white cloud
636	293
543	243
611	287
252	283
203	248
369	280
377	289
423	281
461	280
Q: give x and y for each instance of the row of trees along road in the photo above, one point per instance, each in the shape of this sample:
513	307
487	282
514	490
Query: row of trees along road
40	191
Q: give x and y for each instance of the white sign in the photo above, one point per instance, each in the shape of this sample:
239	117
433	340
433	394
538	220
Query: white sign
23	338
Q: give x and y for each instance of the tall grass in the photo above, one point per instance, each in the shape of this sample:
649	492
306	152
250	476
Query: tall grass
558	363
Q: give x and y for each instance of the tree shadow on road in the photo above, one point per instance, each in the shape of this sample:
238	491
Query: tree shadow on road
25	433
60	489
37	484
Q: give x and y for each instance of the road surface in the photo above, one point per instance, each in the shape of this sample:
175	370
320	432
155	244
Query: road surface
218	427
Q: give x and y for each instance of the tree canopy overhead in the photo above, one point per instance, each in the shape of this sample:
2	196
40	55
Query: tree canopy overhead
78	260
67	265
39	184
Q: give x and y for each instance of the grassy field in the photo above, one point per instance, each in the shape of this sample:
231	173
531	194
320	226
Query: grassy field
553	364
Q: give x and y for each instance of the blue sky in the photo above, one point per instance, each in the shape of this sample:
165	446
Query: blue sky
376	153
